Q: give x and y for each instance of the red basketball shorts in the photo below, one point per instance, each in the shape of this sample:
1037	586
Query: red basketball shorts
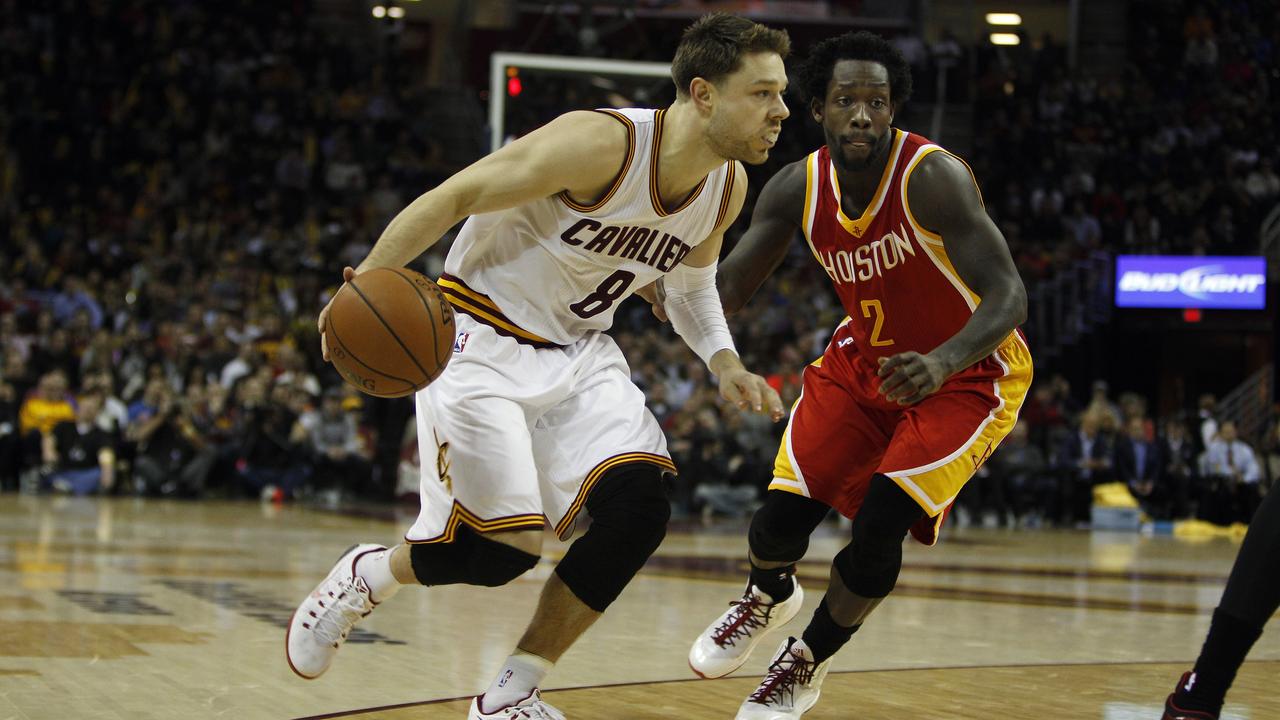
842	431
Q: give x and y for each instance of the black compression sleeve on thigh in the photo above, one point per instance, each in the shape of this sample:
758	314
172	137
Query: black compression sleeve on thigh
629	513
780	529
870	563
1253	591
471	558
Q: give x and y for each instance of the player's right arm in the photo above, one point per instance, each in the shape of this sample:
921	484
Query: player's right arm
579	152
774	222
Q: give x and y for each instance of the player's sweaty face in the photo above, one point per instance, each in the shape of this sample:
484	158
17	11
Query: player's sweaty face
856	113
749	109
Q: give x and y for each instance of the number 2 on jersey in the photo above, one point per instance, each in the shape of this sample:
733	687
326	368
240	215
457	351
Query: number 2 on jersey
606	294
870	308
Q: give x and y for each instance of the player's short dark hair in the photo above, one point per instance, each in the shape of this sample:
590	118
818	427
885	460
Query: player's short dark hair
814	71
713	47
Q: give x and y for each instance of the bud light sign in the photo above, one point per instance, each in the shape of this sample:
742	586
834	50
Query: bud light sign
1191	281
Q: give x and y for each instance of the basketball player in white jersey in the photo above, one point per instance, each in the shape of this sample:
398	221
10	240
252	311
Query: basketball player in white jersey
536	420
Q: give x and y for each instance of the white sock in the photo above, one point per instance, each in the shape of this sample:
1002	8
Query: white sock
522	673
375	568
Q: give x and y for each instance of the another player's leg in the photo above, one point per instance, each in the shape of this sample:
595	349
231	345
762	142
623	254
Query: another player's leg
862	575
629	512
367	575
778	539
1250	599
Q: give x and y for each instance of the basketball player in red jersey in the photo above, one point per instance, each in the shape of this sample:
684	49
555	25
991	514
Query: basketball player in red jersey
917	387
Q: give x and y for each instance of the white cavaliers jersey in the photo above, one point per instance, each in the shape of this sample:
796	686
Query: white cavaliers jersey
548	272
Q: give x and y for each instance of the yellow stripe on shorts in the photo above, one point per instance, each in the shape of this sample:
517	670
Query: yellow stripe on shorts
935	486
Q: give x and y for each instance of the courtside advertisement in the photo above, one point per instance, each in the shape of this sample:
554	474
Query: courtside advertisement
1191	281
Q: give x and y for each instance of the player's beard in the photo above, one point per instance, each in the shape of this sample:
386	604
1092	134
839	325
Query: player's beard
723	136
844	162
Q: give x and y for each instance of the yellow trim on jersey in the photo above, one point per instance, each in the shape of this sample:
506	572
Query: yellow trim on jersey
459	515
859	226
728	193
622	174
479	305
811	175
931	242
599	470
938	254
935	485
906	180
654	196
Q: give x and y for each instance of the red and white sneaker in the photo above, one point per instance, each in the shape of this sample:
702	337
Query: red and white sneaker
530	708
790	688
321	623
727	643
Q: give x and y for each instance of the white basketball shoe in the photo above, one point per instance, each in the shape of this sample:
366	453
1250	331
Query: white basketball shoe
321	623
727	643
791	686
530	708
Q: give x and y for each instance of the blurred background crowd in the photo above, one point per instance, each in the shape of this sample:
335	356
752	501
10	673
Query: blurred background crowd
180	186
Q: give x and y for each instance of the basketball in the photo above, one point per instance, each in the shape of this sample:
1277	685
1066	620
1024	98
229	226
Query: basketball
390	332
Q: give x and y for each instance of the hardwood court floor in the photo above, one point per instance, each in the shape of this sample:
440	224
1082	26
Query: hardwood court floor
130	609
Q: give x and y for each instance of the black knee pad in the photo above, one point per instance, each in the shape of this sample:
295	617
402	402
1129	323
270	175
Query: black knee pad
870	563
471	558
780	529
629	514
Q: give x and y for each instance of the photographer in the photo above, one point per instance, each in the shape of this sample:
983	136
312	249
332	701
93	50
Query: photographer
173	456
272	443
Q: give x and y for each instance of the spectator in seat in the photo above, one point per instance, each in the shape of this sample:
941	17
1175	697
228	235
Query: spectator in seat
1181	474
81	457
1139	466
1084	460
1234	475
1208	421
338	453
43	408
10	441
1027	488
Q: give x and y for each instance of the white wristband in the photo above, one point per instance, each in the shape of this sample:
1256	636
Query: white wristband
693	305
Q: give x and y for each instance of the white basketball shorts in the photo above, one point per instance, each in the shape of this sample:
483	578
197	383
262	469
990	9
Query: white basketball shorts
514	437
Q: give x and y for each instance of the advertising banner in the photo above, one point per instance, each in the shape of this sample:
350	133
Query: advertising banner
1191	281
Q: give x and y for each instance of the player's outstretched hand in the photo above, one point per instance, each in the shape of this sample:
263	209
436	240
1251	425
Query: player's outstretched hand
748	390
909	377
347	273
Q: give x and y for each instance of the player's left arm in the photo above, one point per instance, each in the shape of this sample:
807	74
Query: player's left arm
945	201
689	296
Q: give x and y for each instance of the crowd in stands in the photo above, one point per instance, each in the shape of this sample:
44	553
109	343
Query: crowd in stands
1176	152
180	186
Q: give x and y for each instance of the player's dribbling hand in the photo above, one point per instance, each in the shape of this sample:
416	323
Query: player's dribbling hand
909	377
347	273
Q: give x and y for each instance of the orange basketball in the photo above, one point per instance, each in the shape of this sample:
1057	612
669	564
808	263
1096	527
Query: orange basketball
390	332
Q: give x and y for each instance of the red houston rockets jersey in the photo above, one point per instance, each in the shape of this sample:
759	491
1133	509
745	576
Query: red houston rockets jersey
893	276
